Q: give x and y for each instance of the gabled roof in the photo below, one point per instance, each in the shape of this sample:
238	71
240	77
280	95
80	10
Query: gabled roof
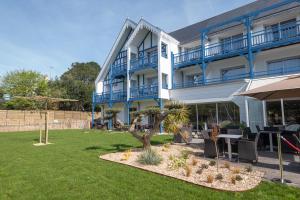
143	24
116	47
192	32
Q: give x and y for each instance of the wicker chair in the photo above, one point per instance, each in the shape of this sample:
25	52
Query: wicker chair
247	149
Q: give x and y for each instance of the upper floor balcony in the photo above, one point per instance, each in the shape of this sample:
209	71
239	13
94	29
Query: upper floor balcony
144	92
146	62
102	97
238	45
119	70
237	77
119	96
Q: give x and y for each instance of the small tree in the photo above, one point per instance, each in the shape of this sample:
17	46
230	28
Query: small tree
214	137
158	115
111	114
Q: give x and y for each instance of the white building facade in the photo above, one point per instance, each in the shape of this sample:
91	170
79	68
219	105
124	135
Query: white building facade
205	65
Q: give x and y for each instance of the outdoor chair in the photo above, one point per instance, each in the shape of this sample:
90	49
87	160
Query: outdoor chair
263	139
247	149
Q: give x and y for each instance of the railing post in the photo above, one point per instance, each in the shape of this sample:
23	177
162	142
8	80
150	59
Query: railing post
172	68
248	24
203	63
93	109
110	97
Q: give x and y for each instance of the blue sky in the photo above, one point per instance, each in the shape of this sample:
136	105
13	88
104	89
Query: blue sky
49	35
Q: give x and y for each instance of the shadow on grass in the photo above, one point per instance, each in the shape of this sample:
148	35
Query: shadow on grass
114	147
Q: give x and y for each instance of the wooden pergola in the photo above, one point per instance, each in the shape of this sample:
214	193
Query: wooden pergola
43	140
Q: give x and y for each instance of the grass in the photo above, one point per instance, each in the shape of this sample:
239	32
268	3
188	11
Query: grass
70	169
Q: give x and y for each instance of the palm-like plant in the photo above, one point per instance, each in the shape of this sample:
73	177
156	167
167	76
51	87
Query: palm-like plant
174	122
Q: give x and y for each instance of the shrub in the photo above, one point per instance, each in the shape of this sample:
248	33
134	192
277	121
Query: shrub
219	177
167	145
185	153
126	155
149	157
204	166
236	170
233	180
209	178
176	162
249	168
199	171
194	162
212	163
227	165
188	170
238	178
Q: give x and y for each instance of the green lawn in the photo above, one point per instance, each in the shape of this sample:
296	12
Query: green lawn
70	169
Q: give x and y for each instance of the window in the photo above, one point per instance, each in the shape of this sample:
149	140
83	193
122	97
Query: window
152	81
232	43
233	73
164	50
274	113
281	30
284	66
165	81
194	78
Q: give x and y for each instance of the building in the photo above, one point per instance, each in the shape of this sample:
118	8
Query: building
206	64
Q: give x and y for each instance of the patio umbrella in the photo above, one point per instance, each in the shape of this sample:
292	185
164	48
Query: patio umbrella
287	88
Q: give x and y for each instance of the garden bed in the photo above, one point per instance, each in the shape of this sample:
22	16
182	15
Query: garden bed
196	169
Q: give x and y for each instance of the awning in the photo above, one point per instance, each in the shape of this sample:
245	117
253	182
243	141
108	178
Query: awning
287	88
209	94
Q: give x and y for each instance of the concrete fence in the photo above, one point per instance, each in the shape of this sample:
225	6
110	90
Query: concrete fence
20	120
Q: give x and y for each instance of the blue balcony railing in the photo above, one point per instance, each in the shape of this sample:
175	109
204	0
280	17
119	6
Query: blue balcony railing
144	63
146	91
277	72
187	58
119	70
211	81
269	38
119	95
102	97
226	48
261	40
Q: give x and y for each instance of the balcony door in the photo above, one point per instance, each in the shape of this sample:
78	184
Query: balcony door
232	43
284	66
282	30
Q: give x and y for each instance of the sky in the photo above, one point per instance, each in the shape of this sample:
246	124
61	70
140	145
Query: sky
49	35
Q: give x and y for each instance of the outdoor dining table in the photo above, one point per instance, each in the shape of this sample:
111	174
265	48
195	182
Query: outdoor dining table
227	138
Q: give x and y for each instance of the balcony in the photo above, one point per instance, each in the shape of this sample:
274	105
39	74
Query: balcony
144	92
277	72
212	81
102	97
119	70
187	58
119	96
261	40
146	62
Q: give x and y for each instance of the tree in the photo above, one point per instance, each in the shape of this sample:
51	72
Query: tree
158	115
24	83
111	114
78	83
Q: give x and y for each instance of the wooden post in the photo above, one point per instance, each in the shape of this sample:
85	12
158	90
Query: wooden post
40	127
280	157
46	127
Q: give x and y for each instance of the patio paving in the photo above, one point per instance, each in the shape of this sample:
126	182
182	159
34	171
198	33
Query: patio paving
268	163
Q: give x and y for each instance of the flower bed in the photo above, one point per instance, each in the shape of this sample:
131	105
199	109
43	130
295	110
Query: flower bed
185	163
